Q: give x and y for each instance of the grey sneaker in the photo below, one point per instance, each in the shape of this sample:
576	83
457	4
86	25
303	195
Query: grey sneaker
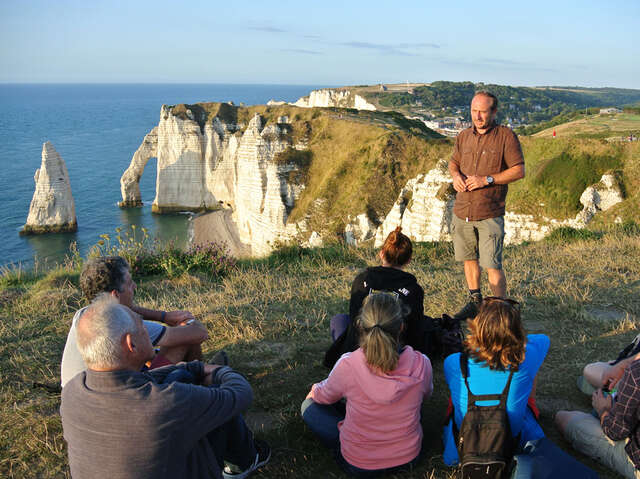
584	386
470	310
263	454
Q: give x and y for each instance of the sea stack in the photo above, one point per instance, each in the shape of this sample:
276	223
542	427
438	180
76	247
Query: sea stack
52	208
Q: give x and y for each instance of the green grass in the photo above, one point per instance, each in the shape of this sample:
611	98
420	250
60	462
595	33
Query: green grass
272	317
597	126
558	171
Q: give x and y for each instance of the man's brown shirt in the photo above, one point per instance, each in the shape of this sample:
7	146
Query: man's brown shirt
475	154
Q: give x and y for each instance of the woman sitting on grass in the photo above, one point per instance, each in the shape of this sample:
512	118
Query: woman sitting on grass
395	255
495	345
384	385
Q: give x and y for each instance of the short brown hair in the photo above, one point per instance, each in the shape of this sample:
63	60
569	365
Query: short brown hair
380	322
494	105
496	335
103	275
397	248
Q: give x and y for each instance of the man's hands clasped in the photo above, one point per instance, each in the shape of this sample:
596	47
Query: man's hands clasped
468	183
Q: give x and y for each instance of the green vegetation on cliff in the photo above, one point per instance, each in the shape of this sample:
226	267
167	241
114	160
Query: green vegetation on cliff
353	161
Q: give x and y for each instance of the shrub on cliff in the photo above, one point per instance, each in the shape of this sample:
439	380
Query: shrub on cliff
150	257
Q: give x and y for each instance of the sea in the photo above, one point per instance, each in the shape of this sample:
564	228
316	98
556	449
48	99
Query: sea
96	128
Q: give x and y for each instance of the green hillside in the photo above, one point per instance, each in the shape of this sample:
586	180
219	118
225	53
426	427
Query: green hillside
521	105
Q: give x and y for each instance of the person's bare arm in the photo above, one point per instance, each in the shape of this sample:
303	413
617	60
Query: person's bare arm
170	318
611	377
193	332
502	178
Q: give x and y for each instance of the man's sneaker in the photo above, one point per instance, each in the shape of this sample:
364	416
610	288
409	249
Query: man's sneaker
263	454
470	310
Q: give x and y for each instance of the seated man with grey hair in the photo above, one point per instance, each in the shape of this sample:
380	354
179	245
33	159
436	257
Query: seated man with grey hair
178	339
121	422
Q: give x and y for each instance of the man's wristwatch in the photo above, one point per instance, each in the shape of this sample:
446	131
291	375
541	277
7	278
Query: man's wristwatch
490	180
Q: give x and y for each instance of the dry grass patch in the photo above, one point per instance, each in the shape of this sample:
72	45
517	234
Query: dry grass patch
272	318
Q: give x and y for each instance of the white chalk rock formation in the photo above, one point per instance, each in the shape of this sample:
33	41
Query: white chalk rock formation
206	166
52	207
334	98
599	197
425	206
130	181
359	229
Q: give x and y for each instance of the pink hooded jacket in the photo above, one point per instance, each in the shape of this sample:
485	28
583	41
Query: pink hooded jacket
381	428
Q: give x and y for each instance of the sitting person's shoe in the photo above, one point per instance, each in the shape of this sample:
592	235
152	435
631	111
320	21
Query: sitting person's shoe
584	386
470	310
263	454
220	358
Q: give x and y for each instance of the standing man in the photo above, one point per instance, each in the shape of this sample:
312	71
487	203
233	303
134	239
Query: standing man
487	157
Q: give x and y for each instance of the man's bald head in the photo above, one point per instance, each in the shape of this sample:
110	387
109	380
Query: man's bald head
100	331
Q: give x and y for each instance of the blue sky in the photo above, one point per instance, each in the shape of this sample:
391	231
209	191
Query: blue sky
584	43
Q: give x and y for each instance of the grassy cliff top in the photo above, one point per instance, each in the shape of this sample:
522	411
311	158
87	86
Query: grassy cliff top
605	126
272	317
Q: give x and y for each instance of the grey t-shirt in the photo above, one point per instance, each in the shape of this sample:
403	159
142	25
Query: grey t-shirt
72	362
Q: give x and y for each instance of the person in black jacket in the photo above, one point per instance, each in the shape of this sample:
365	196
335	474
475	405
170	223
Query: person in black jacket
395	255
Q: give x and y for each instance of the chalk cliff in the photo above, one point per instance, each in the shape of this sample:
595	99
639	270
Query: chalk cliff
425	205
52	208
334	98
207	165
369	176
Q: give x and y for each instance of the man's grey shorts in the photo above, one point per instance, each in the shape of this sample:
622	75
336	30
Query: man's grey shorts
482	238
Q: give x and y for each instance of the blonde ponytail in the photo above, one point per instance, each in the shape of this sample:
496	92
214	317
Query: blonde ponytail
380	321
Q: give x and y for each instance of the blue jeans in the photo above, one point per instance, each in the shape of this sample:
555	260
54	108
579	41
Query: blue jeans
338	325
323	421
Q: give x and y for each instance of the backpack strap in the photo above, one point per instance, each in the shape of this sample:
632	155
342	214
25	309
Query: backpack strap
472	398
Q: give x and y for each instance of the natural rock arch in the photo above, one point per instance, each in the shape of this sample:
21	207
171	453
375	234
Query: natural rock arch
130	181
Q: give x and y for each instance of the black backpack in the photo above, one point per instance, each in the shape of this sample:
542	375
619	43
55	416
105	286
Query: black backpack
485	444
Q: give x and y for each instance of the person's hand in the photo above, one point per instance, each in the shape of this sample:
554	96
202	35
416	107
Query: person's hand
600	402
310	395
176	318
475	182
611	377
208	373
459	183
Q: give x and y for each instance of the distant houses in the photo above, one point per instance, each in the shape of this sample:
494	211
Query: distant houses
610	111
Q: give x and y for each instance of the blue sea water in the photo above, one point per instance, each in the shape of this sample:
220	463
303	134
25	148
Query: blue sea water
96	129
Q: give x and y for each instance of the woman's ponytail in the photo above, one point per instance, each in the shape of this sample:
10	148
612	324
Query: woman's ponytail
380	321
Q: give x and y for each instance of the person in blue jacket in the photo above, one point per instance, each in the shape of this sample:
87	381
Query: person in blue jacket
497	343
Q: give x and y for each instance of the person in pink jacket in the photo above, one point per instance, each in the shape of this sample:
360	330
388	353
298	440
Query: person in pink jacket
384	384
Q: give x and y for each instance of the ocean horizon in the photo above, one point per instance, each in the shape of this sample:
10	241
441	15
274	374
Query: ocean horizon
96	128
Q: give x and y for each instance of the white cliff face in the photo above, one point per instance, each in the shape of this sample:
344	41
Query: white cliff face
221	165
52	207
180	180
334	98
359	229
425	206
130	181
